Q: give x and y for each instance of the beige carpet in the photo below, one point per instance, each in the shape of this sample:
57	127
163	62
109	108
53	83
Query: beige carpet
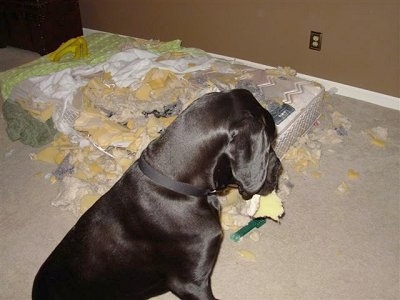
329	245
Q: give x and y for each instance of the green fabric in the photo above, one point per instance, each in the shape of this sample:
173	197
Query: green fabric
172	46
25	128
162	47
100	47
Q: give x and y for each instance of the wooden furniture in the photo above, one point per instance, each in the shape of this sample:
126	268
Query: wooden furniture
40	25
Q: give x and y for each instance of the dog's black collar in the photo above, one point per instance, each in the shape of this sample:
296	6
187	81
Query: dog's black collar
167	182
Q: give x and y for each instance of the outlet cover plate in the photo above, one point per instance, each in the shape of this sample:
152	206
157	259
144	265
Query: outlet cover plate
315	40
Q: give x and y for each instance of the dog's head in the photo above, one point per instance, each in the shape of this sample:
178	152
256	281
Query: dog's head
229	132
254	165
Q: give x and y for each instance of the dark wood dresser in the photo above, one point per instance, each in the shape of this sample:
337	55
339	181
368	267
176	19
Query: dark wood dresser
39	25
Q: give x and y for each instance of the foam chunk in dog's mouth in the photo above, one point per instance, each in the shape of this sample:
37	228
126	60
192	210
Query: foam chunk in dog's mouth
269	206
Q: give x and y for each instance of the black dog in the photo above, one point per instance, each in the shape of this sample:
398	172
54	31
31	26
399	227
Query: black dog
158	229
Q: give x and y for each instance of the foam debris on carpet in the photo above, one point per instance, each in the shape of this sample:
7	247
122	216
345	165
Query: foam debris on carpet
330	129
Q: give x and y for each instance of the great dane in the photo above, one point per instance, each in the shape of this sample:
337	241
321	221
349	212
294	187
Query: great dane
158	228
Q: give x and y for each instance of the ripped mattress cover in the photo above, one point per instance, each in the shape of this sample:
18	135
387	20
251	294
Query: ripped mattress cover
286	96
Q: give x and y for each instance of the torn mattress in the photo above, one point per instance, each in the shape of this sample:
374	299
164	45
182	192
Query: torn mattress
107	112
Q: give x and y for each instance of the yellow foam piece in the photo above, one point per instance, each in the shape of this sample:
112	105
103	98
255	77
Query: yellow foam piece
53	179
302	157
103	131
378	136
246	254
40	111
50	154
353	175
158	78
227	221
130	124
136	136
316	174
59	157
88	120
155	79
56	152
125	163
232	197
63	141
95	168
378	142
143	92
167	121
87	201
270	206
79	174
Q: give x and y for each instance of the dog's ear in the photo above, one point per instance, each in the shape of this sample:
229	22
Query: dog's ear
248	152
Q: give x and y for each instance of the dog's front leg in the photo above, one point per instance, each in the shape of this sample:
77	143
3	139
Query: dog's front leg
191	278
193	291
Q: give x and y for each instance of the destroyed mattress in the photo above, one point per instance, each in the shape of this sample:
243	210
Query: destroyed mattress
301	107
109	106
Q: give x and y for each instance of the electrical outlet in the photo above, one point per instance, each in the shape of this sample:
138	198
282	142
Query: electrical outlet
315	40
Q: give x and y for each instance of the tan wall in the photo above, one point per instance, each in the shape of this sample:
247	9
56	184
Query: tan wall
360	44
